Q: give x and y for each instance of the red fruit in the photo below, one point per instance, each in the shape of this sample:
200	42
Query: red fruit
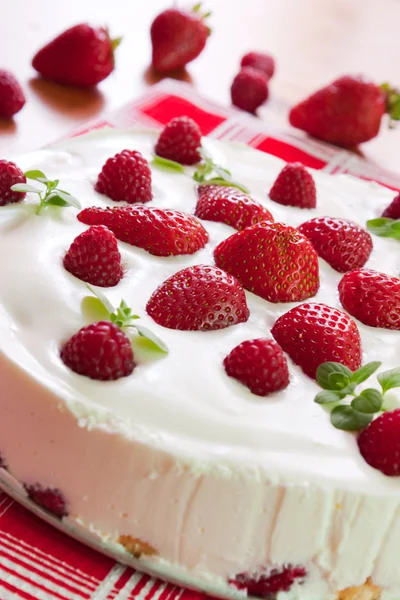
200	298
266	586
347	112
393	210
343	244
249	89
371	297
316	333
99	351
379	443
160	232
81	56
3	464
180	141
12	98
260	61
229	205
294	186
177	37
10	175
49	498
126	177
94	257
271	260
260	364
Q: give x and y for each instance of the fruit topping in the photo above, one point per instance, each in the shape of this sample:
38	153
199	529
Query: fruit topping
267	586
249	89
294	186
10	175
50	499
180	141
126	177
260	61
12	98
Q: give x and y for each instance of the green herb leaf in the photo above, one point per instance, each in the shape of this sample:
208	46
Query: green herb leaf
93	310
166	164
51	185
384	227
35	174
365	371
389	379
24	187
152	337
346	418
220	181
327	397
69	199
327	369
103	299
55	200
204	173
369	401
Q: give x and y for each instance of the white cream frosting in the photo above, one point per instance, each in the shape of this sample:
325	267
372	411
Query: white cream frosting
281	450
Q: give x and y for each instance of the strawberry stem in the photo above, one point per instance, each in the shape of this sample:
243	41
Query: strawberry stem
392	103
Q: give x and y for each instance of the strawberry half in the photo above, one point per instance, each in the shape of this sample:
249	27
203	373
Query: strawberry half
316	333
159	232
272	260
199	298
371	297
294	186
229	205
343	244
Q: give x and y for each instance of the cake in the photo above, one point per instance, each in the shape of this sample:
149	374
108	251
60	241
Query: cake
177	465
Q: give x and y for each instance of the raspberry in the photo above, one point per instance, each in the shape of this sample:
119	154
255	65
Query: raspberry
379	443
260	61
180	141
294	186
12	97
126	177
50	499
266	586
10	175
393	210
249	89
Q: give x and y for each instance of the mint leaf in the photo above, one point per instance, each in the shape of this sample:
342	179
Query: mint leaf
103	299
369	401
35	174
327	397
166	164
327	369
204	174
93	310
69	199
384	227
389	379
55	200
152	337
51	185
346	418
226	183
365	371
24	187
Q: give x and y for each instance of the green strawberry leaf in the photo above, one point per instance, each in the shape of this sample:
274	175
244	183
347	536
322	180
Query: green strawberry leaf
369	401
35	174
327	397
389	379
24	187
365	371
346	418
166	164
325	372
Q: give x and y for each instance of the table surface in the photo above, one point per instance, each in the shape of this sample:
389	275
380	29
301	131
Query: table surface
313	42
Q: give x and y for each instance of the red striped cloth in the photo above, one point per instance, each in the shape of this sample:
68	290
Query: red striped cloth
38	562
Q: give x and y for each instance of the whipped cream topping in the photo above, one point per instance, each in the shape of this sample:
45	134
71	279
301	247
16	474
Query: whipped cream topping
184	401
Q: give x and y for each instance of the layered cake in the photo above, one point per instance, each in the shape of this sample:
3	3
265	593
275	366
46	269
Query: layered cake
190	438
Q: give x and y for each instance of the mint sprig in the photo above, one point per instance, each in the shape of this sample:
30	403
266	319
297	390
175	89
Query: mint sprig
339	383
385	227
209	172
167	165
50	196
123	317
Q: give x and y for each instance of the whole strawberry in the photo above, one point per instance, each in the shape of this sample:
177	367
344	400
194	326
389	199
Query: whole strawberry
177	37
343	244
260	61
393	210
267	585
371	297
10	175
94	257
100	351
160	232
260	365
200	298
12	98
346	112
81	56
316	333
126	177
272	260
249	89
50	499
229	205
180	141
379	443
294	186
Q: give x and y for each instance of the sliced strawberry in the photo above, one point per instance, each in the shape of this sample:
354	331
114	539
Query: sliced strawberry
371	297
316	333
229	205
271	260
342	243
294	186
160	232
199	298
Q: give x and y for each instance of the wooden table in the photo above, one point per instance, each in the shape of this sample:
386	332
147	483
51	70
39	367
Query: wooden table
313	42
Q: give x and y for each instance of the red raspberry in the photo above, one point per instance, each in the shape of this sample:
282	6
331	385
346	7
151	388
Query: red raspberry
99	351
10	175
294	186
49	498
12	97
249	89
94	257
260	61
260	365
266	586
126	177
180	141
379	443
393	210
